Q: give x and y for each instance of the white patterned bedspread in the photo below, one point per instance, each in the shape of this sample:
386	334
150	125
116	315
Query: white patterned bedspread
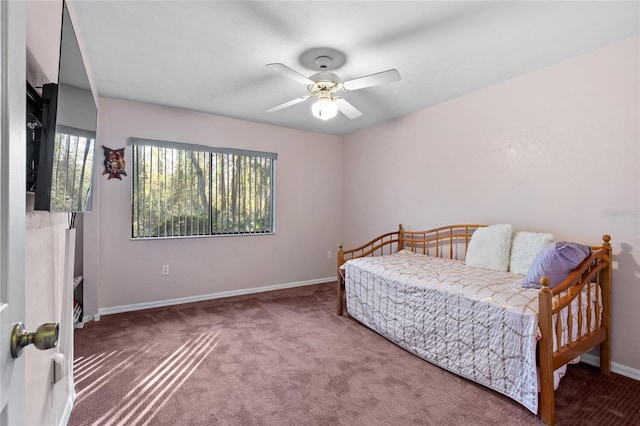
477	323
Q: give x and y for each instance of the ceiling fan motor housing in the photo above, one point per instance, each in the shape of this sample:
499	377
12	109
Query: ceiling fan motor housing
324	82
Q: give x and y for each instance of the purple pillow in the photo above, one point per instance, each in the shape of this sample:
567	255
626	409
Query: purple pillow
555	261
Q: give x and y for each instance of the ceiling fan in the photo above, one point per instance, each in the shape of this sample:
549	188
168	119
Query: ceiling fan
324	85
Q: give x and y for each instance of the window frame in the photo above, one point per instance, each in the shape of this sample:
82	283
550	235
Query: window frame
134	142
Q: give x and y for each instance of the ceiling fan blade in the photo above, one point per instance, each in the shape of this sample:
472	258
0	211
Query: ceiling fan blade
376	79
292	74
347	109
287	104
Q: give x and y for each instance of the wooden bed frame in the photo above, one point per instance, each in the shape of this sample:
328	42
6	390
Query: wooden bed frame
452	242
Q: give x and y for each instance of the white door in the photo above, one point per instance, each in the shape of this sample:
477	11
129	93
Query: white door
12	204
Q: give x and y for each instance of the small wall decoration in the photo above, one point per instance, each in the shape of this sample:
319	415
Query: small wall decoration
114	162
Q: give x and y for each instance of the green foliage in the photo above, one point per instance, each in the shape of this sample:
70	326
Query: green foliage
72	172
176	191
182	225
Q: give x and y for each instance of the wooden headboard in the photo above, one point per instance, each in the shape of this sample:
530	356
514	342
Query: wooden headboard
449	241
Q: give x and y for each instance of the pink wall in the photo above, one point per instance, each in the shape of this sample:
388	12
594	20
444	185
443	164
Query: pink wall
308	212
519	152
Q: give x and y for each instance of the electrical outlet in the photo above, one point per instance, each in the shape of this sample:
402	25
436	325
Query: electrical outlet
165	269
329	254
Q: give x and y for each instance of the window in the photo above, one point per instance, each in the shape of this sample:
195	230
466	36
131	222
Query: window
72	170
189	190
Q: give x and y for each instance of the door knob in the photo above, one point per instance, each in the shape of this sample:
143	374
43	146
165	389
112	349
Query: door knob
45	337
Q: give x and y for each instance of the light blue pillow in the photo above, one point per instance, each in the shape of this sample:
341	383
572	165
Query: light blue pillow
555	261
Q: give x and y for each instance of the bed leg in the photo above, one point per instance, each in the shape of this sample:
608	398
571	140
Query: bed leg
605	357
340	288
547	402
605	346
340	281
545	348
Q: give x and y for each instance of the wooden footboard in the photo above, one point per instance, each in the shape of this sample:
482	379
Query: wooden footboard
447	241
384	244
557	308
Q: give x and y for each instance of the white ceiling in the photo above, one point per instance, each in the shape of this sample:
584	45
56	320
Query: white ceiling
210	56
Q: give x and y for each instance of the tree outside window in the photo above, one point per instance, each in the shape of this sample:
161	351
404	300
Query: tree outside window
182	190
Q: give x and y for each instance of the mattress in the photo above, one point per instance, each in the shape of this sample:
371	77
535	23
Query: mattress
477	323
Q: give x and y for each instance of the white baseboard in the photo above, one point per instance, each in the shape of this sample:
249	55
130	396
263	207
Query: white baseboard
89	318
623	370
66	415
220	295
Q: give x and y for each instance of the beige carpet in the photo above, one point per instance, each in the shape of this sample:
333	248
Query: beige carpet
285	358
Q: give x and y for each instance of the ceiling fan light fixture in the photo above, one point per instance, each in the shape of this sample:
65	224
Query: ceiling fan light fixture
324	109
326	86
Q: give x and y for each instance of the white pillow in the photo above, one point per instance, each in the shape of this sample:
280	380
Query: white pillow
525	248
490	247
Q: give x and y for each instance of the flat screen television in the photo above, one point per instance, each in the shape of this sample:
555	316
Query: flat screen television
34	133
64	173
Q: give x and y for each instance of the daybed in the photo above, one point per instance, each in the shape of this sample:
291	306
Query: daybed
421	291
